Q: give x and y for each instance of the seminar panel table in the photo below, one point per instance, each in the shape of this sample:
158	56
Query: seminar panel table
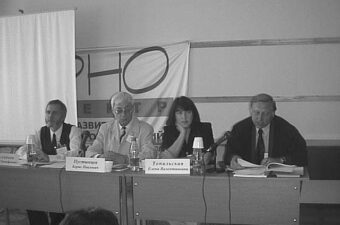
265	200
29	188
228	199
164	197
57	190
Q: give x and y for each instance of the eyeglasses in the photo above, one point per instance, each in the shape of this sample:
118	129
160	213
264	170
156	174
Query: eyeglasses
121	110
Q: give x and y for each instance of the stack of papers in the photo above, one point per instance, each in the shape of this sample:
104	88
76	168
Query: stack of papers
275	169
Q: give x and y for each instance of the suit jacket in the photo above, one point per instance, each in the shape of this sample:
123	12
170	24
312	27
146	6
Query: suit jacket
46	142
73	141
197	130
107	139
284	141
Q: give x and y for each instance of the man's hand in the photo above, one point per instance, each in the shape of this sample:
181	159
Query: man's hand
115	157
41	156
234	163
268	160
207	157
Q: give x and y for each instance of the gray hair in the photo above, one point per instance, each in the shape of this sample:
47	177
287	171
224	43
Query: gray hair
263	98
58	102
121	95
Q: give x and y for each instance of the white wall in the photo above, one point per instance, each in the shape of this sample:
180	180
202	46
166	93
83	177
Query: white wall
284	71
126	22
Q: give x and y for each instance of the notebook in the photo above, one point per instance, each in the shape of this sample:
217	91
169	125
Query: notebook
324	163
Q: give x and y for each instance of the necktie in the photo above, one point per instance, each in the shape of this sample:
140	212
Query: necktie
123	132
260	149
54	141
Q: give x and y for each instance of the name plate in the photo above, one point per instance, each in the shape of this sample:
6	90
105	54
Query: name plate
7	158
81	164
167	166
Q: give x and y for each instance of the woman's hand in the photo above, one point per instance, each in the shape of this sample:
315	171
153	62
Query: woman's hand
181	129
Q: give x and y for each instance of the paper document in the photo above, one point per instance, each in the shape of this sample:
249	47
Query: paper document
249	175
245	163
276	169
10	164
58	164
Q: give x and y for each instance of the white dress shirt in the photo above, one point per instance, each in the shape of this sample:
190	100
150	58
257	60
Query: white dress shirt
75	141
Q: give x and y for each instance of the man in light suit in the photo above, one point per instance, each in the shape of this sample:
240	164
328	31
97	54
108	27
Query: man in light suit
280	141
113	138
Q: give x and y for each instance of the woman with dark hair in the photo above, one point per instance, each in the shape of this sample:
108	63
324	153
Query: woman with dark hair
182	126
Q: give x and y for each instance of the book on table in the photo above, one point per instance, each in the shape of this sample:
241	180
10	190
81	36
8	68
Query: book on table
272	169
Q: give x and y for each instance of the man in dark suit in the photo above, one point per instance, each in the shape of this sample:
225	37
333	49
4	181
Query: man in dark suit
264	137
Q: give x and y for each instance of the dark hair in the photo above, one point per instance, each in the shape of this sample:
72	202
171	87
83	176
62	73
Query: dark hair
91	216
58	102
183	103
263	98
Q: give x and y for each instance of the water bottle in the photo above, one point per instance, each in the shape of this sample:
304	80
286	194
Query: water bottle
197	151
158	143
197	166
31	153
134	155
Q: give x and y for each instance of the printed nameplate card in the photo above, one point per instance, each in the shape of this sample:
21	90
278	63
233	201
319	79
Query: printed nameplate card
81	164
7	158
167	166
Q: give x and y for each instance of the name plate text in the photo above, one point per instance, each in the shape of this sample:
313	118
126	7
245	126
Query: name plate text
167	166
81	164
7	158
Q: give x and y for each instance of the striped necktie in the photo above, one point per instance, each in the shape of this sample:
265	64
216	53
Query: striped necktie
123	132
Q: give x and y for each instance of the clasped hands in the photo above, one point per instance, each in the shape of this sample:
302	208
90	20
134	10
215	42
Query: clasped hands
40	156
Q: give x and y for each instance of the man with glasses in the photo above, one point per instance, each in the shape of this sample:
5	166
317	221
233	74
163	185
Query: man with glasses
113	138
264	137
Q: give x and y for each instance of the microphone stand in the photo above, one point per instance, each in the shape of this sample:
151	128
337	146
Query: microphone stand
213	149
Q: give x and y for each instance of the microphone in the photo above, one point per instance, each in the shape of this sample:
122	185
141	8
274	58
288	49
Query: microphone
84	136
225	136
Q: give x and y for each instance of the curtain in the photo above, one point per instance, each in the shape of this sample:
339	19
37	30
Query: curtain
37	64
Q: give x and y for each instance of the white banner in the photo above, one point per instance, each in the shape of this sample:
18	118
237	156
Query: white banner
153	75
37	64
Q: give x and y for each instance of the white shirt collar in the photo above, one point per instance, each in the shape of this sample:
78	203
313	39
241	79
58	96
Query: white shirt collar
57	132
265	129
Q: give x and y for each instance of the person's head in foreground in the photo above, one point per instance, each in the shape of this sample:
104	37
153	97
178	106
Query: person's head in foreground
91	216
